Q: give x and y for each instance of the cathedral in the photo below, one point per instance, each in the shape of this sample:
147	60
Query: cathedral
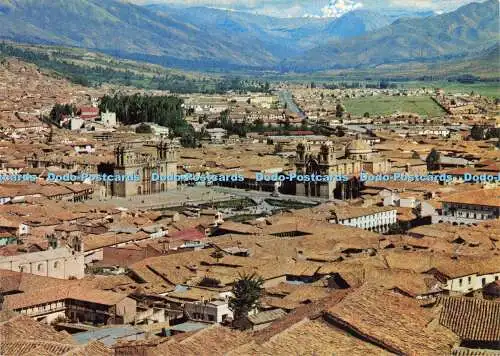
356	157
144	160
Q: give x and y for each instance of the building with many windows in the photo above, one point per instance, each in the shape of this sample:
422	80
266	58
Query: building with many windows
470	207
459	278
377	219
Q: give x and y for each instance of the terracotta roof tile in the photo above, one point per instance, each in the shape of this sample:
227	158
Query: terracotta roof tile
391	321
472	319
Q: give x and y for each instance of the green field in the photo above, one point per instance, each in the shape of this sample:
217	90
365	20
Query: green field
386	105
490	89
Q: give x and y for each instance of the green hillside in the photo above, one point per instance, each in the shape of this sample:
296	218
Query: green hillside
93	69
121	28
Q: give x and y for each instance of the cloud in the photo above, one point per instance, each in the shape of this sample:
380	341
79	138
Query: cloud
315	8
338	8
446	5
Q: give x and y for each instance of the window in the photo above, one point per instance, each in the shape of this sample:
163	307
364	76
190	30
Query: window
469	279
56	265
40	267
483	281
460	282
496	278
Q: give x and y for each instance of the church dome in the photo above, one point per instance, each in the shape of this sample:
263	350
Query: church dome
358	146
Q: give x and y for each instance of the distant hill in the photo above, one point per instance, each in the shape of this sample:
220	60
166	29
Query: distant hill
484	65
123	29
197	37
281	36
201	38
467	30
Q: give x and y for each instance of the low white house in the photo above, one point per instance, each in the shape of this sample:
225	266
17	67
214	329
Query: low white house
403	202
465	277
471	282
216	311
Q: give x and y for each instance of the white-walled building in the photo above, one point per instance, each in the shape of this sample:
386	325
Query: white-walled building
470	207
84	148
265	101
61	262
216	311
460	278
403	202
370	218
108	119
76	123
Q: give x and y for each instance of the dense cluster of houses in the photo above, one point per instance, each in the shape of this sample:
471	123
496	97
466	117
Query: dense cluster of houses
358	267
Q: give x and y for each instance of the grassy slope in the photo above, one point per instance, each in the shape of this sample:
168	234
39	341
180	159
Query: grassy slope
90	68
121	27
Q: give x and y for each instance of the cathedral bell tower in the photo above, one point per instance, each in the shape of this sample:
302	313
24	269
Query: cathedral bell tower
312	165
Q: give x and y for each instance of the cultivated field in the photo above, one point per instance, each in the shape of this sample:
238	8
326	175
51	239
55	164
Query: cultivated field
386	105
490	89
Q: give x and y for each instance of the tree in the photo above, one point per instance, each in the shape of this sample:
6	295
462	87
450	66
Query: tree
143	129
247	292
60	110
209	282
133	109
340	131
259	124
339	110
433	160
366	114
217	255
479	132
189	139
287	123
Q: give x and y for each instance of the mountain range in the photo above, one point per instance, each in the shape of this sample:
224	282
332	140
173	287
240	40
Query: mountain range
282	37
464	32
213	39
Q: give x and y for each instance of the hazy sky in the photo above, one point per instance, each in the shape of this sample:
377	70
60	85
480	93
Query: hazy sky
327	8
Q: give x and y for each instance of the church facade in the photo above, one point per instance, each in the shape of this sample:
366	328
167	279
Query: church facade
355	158
145	161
